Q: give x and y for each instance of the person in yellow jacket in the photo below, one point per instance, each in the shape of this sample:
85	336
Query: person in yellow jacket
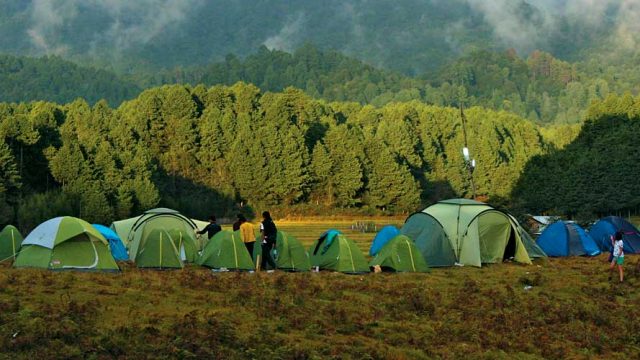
247	233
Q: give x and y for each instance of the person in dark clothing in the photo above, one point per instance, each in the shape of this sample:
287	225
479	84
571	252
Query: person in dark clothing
236	225
269	236
210	229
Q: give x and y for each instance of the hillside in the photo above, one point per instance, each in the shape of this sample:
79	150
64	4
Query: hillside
540	87
321	74
24	79
408	36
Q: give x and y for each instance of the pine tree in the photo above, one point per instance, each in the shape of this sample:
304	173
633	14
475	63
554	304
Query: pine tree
390	185
10	184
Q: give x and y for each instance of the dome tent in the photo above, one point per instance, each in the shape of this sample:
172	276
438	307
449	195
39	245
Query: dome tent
10	242
66	243
400	254
118	250
382	237
123	227
153	229
225	250
602	231
564	238
467	232
289	254
334	251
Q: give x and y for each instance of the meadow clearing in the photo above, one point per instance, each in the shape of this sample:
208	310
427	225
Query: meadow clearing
556	308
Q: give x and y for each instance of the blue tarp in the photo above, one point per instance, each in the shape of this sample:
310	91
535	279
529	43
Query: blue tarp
118	250
567	239
382	238
606	227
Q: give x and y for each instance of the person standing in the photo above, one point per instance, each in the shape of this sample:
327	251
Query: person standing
212	229
269	235
618	254
236	225
247	233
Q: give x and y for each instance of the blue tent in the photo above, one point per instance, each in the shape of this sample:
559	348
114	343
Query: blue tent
115	244
382	238
602	231
567	239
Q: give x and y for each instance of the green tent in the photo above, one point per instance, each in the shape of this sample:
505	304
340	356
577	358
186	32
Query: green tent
466	232
10	241
530	245
400	254
123	227
180	229
334	251
158	250
289	253
66	243
225	250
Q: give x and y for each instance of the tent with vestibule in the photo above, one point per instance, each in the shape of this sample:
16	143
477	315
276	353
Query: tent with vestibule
123	227
160	238
468	232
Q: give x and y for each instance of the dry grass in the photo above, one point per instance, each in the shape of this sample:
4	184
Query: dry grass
572	311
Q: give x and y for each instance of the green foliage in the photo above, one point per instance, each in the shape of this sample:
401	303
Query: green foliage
593	175
213	150
540	87
58	80
321	74
10	183
38	207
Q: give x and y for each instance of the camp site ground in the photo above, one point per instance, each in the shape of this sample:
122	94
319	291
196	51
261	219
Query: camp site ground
555	308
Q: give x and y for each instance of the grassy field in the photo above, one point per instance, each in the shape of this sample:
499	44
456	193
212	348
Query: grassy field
571	310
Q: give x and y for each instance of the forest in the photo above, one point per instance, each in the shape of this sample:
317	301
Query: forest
540	87
51	78
229	148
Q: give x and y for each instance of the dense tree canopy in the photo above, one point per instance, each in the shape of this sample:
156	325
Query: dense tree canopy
595	174
216	149
540	88
54	79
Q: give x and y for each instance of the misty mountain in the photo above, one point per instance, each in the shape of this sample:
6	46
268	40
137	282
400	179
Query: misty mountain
410	36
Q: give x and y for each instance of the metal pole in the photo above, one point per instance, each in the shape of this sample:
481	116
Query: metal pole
467	163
